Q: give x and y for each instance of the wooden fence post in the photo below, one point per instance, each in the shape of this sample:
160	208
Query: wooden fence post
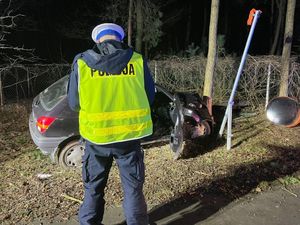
17	80
1	92
28	84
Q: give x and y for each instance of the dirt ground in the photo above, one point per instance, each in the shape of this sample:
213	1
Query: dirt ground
263	156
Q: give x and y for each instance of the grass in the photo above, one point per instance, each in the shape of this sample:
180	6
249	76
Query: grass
36	154
289	180
263	156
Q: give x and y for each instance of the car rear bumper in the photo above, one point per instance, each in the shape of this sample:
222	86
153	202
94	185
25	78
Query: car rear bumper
47	145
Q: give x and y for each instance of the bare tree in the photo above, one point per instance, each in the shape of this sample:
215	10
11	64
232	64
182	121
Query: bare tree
148	25
212	49
280	4
287	45
142	21
11	55
152	25
71	27
188	25
139	26
203	40
129	25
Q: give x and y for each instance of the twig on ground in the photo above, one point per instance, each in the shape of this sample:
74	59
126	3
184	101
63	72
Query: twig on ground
71	198
202	173
283	188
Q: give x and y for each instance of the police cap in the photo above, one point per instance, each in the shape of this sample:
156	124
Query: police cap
107	29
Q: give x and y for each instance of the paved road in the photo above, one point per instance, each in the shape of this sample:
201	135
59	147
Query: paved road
276	207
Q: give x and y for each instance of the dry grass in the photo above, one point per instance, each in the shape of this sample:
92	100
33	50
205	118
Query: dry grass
263	154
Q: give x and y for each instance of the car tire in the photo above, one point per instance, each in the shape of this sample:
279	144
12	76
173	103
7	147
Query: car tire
70	155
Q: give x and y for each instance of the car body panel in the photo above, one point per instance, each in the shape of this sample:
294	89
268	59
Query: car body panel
66	122
45	144
169	112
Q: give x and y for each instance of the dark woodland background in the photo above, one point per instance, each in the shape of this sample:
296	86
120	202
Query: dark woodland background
58	30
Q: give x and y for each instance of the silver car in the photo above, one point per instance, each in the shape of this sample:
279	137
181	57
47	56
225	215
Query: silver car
54	126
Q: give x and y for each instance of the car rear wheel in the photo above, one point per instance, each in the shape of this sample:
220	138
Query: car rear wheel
70	156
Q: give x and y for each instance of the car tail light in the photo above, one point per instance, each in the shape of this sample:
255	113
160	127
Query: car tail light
44	122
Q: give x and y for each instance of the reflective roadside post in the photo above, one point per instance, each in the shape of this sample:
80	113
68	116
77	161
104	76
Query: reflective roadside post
229	125
253	18
268	86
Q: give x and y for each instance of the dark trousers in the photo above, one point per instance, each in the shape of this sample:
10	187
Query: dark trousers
97	161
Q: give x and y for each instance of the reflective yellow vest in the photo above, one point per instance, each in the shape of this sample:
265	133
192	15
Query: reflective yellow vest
113	107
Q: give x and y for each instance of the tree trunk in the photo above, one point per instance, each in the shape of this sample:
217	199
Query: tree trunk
212	49
281	36
287	45
204	27
280	5
188	26
226	20
129	30
139	26
271	23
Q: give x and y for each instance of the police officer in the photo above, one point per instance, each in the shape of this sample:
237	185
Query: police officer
112	89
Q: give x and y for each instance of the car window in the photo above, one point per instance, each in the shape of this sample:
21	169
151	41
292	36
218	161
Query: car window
52	95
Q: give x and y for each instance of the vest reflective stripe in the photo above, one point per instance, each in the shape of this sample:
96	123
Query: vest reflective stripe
115	115
113	107
103	132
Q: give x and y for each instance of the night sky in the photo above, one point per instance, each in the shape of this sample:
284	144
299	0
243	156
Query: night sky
58	30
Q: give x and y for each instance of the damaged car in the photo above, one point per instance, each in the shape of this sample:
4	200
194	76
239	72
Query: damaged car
54	127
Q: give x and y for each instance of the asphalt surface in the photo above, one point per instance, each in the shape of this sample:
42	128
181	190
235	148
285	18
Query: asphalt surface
280	206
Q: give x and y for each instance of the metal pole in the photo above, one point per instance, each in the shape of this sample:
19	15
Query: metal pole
268	86
256	16
229	126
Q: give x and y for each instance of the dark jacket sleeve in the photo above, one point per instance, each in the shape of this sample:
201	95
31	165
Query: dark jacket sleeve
149	83
73	95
